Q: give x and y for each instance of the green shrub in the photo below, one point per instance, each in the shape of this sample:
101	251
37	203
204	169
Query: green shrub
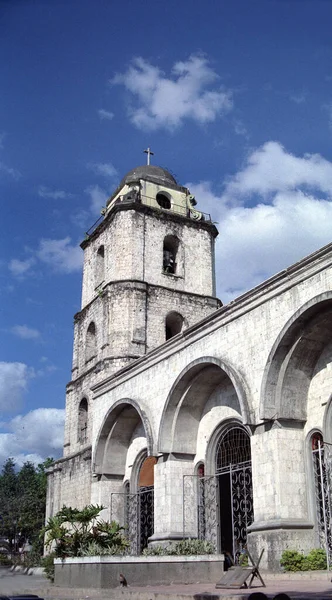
193	547
47	562
316	560
292	560
189	547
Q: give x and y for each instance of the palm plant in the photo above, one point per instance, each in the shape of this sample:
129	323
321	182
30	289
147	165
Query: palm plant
74	532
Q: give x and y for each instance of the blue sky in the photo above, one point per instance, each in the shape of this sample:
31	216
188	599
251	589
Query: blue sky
235	99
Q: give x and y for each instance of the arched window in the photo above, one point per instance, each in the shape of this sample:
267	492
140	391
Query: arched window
164	200
83	421
90	342
233	448
100	266
170	250
173	325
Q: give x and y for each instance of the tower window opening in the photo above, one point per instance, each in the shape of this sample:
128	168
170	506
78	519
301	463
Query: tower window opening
173	325
100	266
90	342
83	421
163	200
170	248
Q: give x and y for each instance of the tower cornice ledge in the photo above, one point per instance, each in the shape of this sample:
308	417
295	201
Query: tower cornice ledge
144	209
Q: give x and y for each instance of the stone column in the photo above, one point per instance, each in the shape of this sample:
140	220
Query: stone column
168	499
280	492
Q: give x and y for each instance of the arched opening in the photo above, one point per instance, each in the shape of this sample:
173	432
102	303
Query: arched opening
173	324
234	488
90	342
207	391
123	443
100	266
145	488
294	361
170	251
83	421
164	200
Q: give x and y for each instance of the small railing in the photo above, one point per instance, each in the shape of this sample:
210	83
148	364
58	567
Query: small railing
178	209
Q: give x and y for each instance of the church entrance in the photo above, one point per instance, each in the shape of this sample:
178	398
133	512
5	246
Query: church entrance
145	502
234	489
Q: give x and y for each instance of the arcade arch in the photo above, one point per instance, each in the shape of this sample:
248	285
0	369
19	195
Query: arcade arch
187	403
293	360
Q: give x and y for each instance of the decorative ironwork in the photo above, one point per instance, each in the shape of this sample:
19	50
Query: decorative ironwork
322	467
146	523
135	513
242	504
233	448
200	508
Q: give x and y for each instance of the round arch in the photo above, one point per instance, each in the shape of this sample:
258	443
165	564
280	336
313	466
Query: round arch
219	432
187	398
115	435
289	368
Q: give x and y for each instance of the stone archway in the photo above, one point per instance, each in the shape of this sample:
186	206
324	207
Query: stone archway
293	359
206	393
115	435
124	437
187	398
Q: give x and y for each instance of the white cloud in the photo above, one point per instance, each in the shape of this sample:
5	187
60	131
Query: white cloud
33	436
60	255
14	378
167	102
271	169
104	169
282	222
98	198
20	268
14	173
105	115
45	192
25	333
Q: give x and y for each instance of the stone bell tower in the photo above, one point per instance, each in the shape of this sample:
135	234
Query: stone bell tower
148	274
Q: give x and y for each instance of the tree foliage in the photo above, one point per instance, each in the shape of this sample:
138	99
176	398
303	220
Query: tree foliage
22	503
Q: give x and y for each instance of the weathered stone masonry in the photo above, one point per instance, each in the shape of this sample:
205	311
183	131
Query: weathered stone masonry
258	367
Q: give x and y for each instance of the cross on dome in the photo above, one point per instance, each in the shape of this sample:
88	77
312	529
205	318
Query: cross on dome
149	153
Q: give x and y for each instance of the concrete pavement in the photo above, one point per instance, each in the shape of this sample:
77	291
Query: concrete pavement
300	586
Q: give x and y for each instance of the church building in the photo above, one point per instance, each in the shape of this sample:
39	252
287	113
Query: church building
186	418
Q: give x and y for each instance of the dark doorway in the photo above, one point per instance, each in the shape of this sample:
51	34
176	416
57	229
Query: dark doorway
233	471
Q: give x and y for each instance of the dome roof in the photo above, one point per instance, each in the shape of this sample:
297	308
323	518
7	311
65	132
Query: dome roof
150	172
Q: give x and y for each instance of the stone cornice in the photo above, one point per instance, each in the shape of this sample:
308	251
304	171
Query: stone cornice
156	213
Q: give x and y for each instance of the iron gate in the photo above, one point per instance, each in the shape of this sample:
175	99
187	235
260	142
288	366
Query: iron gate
200	506
202	510
135	513
322	466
